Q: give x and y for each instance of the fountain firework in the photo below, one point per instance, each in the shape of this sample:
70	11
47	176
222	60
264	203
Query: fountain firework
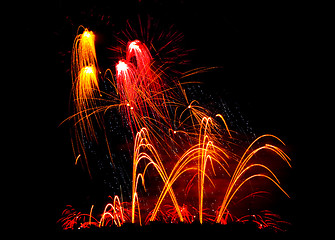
181	144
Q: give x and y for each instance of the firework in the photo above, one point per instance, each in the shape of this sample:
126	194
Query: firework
85	90
178	141
142	143
243	167
140	87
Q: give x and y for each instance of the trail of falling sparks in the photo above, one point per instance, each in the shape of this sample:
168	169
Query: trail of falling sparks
140	87
84	71
84	79
144	100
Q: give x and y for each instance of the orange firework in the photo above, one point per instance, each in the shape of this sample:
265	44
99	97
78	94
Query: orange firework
195	159
85	80
85	89
83	52
243	168
113	212
142	143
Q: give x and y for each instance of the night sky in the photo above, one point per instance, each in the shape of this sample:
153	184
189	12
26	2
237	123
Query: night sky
255	48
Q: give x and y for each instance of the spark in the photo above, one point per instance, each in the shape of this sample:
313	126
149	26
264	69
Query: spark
121	67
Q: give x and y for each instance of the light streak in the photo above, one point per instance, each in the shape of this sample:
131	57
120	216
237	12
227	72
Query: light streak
142	143
241	168
202	152
113	212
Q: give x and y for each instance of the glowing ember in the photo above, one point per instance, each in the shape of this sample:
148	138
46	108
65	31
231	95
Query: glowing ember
121	67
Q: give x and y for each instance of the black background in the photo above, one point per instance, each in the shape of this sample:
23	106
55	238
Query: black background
257	46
